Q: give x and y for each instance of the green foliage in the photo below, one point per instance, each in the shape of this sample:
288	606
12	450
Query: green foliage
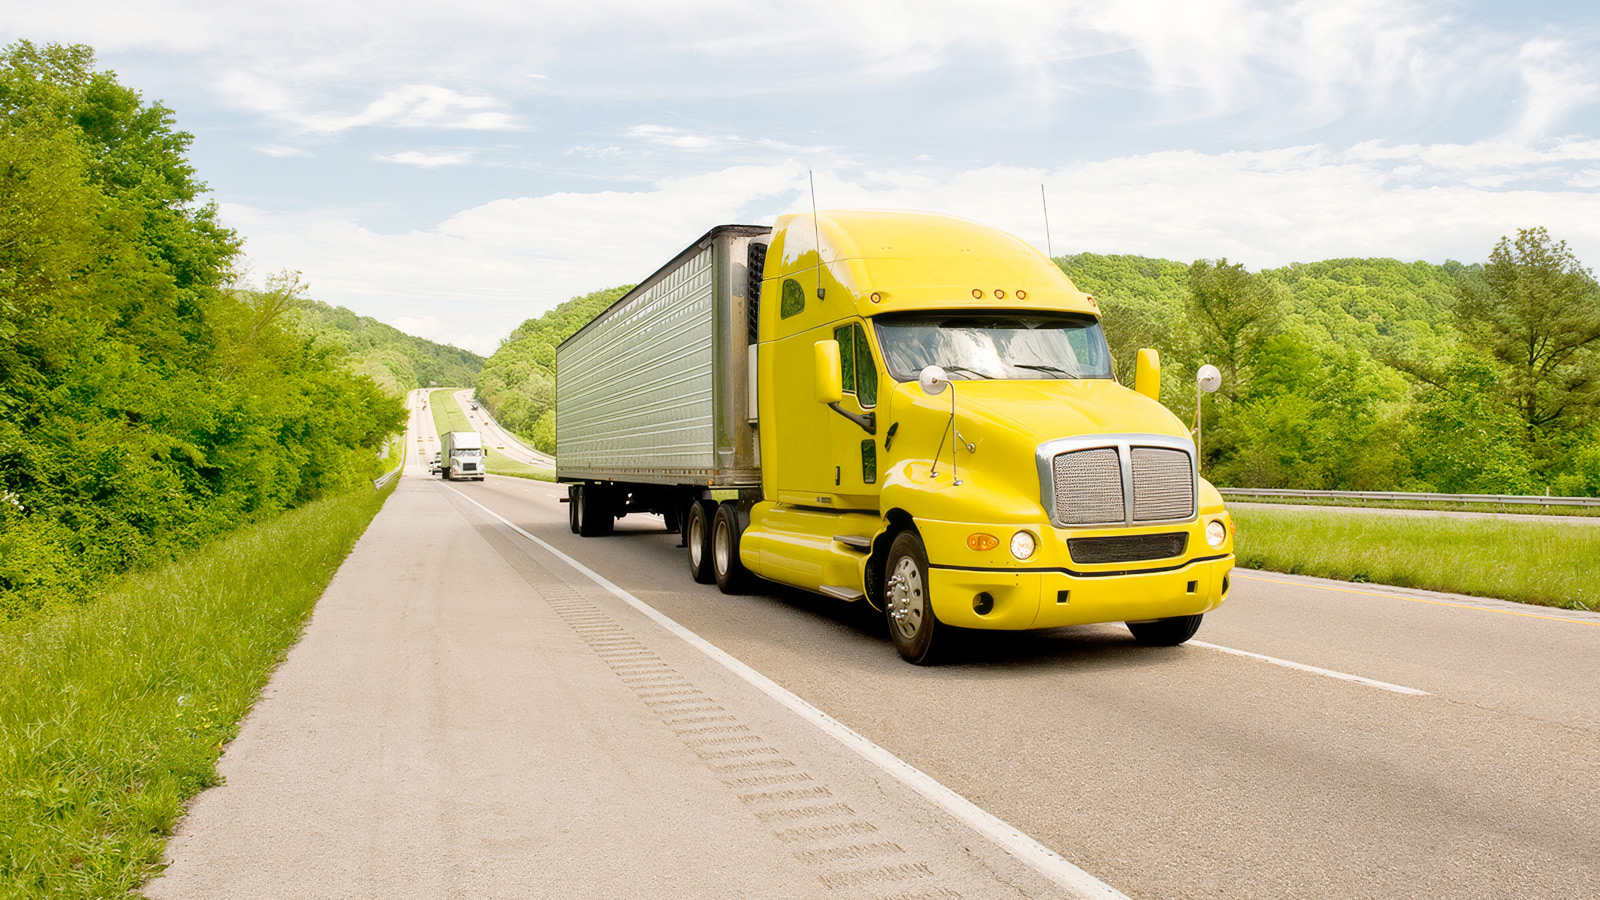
518	382
113	714
144	404
397	361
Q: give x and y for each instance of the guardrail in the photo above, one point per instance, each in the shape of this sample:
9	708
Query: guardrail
378	483
1506	499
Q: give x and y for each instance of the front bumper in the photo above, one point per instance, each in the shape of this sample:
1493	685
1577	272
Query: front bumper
1050	590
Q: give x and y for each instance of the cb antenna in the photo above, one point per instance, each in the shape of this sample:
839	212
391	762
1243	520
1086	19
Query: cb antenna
816	230
1042	202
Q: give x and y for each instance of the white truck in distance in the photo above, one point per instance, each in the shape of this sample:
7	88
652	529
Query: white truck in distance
462	456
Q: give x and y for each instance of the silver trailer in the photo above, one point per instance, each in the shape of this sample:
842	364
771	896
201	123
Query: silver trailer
653	397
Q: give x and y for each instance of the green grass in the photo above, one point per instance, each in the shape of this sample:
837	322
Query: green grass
447	416
1547	563
113	713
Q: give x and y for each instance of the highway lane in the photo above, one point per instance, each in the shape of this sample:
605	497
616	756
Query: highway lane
498	437
1192	772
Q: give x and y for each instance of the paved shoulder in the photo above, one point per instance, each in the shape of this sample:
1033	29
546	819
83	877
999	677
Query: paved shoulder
468	716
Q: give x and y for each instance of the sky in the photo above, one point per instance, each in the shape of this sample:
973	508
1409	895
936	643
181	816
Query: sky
456	168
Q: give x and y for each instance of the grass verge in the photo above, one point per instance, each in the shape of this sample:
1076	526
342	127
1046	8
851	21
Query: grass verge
1547	563
113	714
1515	509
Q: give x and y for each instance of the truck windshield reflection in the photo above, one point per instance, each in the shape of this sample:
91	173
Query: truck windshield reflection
989	346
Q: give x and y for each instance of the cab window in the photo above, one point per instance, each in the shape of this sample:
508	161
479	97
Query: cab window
860	374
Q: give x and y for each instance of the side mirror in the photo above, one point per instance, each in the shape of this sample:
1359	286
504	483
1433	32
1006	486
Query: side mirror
1208	378
933	379
1147	374
829	380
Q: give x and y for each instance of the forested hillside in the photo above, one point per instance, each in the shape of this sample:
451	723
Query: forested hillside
145	402
397	361
518	382
1373	374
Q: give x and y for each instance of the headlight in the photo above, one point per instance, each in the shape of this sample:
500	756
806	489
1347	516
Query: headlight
1216	534
1023	544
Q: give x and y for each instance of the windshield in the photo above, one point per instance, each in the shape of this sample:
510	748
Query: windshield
466	452
1020	346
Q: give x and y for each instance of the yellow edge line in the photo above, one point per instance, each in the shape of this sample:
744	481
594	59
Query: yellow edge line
1493	609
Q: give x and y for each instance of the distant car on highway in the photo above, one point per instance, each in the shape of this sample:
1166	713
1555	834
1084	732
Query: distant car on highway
474	407
434	464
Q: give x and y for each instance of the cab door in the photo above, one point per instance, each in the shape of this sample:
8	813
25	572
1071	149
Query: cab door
854	451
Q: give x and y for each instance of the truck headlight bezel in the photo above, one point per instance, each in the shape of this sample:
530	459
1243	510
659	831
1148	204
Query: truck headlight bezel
1024	545
1216	533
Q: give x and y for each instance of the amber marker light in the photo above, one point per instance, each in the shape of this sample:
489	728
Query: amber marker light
977	293
982	542
1022	295
999	295
875	297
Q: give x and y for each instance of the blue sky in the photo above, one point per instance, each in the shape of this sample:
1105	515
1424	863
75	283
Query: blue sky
457	168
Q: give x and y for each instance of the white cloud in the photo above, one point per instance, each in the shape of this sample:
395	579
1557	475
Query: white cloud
424	160
407	106
282	151
488	268
683	139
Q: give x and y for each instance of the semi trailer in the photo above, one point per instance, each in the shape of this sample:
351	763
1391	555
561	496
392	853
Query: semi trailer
908	410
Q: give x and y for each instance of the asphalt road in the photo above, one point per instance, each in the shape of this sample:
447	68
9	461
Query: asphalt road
441	732
1193	772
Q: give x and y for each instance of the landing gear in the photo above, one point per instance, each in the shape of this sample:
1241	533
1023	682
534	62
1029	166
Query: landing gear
912	625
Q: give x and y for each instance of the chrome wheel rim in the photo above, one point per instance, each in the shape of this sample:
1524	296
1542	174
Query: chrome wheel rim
906	592
697	539
721	549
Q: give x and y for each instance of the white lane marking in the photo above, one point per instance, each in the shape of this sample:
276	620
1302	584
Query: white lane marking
1011	839
1342	676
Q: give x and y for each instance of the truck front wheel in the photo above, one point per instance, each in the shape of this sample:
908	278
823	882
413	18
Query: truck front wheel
912	625
1165	632
697	535
731	575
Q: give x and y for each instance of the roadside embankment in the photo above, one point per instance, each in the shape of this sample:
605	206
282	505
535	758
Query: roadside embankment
1541	562
448	416
113	713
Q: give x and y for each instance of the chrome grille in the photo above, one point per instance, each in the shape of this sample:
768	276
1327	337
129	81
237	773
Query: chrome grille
1088	487
1163	484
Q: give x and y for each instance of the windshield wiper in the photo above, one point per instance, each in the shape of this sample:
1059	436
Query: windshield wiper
1044	368
968	371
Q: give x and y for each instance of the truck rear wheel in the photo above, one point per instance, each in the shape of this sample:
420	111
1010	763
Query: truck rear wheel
1165	632
912	625
572	508
697	535
731	575
595	518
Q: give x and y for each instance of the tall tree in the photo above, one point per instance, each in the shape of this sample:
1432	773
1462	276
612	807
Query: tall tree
1232	312
1536	310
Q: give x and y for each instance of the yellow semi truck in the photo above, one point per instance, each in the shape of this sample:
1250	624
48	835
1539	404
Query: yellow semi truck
904	409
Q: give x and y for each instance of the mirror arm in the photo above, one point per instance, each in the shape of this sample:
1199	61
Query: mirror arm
868	422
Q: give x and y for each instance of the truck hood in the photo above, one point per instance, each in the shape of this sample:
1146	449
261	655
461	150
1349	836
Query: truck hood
1043	410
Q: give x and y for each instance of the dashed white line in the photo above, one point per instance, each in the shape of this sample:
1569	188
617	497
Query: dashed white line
1034	854
1315	670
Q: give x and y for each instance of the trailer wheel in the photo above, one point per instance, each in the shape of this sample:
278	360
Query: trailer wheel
697	535
912	625
595	518
1165	632
731	575
572	508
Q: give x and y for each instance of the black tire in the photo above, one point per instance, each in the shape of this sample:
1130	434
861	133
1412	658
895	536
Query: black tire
697	536
1165	632
915	630
572	508
730	573
595	518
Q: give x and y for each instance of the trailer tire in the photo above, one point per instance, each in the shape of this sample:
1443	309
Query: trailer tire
915	630
697	536
572	508
1165	632
595	517
732	577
